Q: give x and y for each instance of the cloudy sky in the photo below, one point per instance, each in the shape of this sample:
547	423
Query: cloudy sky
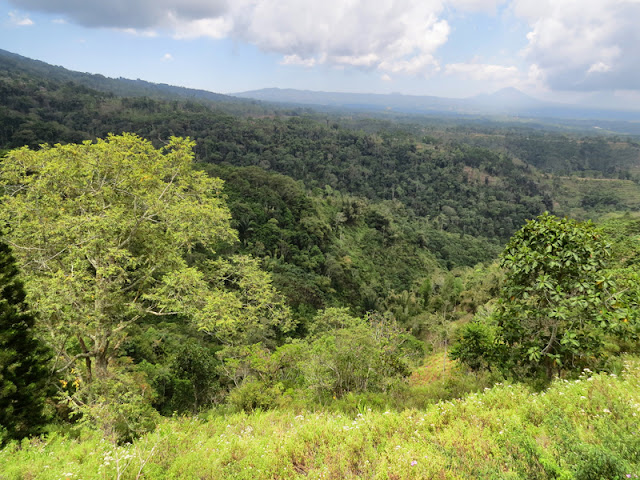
569	50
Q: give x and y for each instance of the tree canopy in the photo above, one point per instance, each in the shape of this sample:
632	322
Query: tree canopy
557	303
103	230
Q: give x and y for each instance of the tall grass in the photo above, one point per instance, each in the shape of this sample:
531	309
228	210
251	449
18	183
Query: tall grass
582	429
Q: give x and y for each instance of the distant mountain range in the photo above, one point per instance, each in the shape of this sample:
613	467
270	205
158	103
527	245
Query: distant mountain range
503	105
508	101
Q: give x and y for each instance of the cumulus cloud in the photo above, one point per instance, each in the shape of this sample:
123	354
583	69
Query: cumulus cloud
395	36
583	44
571	44
296	60
388	35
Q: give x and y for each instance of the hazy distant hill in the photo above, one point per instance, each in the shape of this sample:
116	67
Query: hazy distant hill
508	101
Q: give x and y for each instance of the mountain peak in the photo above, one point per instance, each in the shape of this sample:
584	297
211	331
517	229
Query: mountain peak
512	93
509	97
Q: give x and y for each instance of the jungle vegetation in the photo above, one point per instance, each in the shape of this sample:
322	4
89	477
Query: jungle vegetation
163	256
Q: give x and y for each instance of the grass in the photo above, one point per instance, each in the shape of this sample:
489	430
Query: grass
583	429
569	192
432	369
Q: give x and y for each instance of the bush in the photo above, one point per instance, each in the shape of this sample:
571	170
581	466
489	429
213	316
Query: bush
254	394
600	464
119	406
368	355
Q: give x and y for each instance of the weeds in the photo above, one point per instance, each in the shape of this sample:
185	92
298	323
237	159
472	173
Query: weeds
580	429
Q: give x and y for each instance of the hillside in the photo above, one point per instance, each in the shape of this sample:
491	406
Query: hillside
221	260
13	65
440	197
579	430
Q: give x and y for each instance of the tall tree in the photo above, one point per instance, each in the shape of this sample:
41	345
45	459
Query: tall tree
104	230
23	359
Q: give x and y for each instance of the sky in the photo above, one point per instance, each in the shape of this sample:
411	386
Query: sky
573	51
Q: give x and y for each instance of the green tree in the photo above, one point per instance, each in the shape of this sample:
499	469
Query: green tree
558	302
23	359
104	230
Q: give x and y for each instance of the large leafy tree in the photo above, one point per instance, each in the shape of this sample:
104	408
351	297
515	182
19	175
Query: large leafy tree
557	304
109	232
23	359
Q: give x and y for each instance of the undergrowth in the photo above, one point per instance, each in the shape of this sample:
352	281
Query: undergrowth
581	429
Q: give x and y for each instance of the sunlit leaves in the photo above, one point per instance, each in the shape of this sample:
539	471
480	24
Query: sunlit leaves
103	231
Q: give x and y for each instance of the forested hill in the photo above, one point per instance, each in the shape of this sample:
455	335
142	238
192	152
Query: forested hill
376	205
14	66
470	191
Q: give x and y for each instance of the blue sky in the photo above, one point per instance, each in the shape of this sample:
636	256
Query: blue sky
566	50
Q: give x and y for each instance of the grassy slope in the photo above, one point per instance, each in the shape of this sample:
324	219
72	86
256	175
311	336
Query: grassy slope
584	429
568	193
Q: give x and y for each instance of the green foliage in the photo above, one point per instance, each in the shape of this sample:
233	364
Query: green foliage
432	180
557	304
584	429
131	260
255	394
601	464
118	406
625	234
342	355
332	319
193	370
99	230
23	359
475	345
231	299
258	377
348	354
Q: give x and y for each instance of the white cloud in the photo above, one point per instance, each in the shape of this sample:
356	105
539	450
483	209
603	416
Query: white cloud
599	67
571	44
296	60
396	36
484	72
20	20
139	33
218	27
167	57
476	5
583	44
